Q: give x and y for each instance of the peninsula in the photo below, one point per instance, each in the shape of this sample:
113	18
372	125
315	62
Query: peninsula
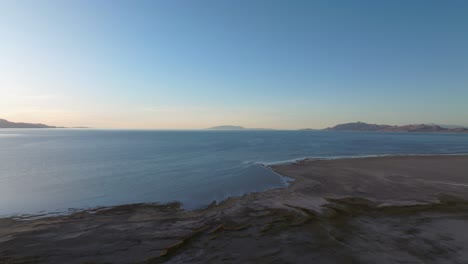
7	124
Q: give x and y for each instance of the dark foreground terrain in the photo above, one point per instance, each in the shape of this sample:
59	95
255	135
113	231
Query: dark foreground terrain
411	209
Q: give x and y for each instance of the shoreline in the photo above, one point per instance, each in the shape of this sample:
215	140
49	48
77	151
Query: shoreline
325	210
363	156
287	180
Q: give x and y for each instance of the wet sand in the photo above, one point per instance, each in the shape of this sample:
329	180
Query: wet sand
408	209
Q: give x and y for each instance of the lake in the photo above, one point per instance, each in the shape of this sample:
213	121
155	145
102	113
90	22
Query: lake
55	170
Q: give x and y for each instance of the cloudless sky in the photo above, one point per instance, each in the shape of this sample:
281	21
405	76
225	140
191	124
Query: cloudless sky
196	64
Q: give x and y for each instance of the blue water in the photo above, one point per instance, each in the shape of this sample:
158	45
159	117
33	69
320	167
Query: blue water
49	170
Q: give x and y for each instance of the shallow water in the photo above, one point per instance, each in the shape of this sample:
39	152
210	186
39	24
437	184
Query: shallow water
48	170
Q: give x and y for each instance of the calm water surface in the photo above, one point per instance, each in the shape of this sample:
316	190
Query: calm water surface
49	170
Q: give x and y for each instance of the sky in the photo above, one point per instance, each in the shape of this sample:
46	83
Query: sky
173	64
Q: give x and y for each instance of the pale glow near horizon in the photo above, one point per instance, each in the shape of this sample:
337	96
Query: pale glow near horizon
162	65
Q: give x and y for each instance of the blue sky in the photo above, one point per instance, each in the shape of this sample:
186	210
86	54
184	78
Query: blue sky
195	64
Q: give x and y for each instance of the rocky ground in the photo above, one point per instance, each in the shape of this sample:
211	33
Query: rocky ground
411	209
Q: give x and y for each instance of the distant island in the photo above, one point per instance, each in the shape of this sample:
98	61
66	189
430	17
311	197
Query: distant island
428	128
229	127
7	124
226	128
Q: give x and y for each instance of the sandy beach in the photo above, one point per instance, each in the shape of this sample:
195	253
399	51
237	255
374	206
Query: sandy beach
400	209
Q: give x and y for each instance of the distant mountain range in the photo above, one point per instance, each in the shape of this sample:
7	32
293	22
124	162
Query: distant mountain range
428	128
448	126
228	127
7	124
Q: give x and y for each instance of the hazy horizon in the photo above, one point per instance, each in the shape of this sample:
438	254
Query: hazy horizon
260	64
237	125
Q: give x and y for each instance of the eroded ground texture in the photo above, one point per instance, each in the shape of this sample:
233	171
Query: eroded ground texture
411	209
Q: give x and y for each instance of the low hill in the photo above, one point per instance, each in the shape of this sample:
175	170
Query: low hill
7	124
226	128
229	127
358	126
